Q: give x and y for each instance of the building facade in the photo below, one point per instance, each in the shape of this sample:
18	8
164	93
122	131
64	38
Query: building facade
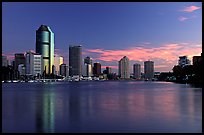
58	60
19	59
149	70
75	60
137	71
33	64
87	67
37	65
21	69
97	69
108	70
64	70
123	68
45	47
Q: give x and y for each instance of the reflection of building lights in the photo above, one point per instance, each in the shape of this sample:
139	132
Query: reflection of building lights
48	113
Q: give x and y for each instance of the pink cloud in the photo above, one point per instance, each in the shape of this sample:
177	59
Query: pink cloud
181	18
167	54
190	8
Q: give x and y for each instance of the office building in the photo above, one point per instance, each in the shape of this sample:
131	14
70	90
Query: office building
75	60
87	67
19	59
45	47
58	60
137	71
33	64
97	69
123	68
183	61
64	70
149	70
21	69
107	71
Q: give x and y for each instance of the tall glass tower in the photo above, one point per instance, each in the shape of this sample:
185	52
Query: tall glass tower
45	47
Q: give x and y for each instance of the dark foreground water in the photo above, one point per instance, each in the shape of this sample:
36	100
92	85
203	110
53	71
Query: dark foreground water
110	106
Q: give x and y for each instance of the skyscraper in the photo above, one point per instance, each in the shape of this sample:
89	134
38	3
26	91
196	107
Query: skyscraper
137	71
75	60
87	67
97	69
45	47
64	70
58	60
149	70
19	59
123	68
33	63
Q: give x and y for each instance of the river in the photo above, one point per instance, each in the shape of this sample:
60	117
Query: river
107	106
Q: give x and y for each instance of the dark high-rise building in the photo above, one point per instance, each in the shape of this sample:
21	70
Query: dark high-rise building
75	60
108	70
45	47
64	70
149	70
19	59
137	71
97	69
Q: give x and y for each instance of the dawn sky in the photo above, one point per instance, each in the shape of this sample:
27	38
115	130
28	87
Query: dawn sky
108	30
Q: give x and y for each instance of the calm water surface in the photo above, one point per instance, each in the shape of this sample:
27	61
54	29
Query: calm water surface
109	106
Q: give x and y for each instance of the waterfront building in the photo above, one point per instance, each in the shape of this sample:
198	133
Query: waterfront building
108	70
33	63
58	60
45	47
183	61
137	71
4	61
75	60
64	70
149	70
97	69
19	59
87	67
21	69
123	67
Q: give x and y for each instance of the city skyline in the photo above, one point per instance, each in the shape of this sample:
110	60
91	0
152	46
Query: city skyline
112	31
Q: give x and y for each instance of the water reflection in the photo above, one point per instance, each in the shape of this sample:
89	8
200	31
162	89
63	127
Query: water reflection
102	107
74	110
45	111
